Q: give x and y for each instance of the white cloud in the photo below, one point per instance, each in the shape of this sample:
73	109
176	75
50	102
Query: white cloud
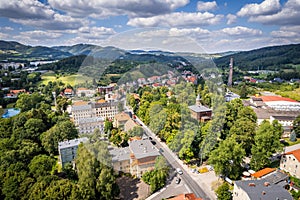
4	36
291	34
231	19
206	6
288	15
267	7
105	8
241	31
38	34
177	19
6	28
95	32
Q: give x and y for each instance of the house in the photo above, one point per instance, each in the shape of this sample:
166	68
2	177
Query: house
290	162
68	149
189	196
84	92
142	157
120	120
15	93
68	92
89	124
271	175
281	103
199	112
120	159
259	190
129	125
105	89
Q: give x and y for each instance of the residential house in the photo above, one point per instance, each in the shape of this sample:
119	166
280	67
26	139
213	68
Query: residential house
105	89
129	125
84	92
200	112
15	93
259	190
142	157
68	150
120	159
68	92
120	120
290	162
271	175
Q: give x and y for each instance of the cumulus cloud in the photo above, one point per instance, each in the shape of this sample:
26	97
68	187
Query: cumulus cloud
288	15
292	33
177	19
95	32
206	6
267	7
241	31
6	28
231	19
105	8
38	34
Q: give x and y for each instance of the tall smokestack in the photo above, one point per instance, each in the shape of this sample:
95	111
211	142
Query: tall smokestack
229	84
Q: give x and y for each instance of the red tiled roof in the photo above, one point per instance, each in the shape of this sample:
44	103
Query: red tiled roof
296	153
263	172
190	196
17	91
276	98
68	90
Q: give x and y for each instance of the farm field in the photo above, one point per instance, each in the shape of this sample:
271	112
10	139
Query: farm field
67	79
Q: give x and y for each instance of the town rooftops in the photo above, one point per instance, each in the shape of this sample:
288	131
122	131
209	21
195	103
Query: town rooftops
263	172
276	177
199	108
296	153
120	154
263	190
143	148
71	143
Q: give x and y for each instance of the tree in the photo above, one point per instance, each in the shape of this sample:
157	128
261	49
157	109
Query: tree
296	126
223	192
293	137
60	189
26	102
244	130
106	184
63	130
136	131
266	142
33	129
227	158
108	125
41	165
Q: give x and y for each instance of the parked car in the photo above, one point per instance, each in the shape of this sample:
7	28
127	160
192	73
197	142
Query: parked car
177	181
179	171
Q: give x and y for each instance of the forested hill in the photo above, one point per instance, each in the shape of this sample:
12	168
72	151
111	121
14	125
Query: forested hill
16	51
274	57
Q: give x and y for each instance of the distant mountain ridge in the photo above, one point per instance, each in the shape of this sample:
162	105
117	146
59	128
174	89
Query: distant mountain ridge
264	58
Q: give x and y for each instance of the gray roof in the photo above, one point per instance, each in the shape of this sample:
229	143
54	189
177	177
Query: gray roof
81	107
105	104
199	108
256	189
143	149
90	120
284	118
72	143
120	154
276	177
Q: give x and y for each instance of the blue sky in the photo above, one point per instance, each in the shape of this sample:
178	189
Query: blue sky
174	25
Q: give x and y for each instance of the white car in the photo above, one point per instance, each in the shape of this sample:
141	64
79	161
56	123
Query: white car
179	171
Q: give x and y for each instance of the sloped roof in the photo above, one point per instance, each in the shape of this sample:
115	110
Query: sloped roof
199	108
263	172
296	153
276	98
122	117
189	196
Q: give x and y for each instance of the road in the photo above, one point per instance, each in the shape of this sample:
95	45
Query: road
174	162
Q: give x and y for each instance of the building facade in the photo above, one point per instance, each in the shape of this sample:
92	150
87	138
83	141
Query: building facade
68	150
88	125
290	162
200	112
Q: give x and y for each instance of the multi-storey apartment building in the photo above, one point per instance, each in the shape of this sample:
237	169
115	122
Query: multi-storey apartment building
68	150
88	125
94	109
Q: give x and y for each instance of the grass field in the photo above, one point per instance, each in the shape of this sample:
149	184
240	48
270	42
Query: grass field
67	79
295	94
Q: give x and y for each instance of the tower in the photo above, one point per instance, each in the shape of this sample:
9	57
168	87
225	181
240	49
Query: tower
229	84
198	100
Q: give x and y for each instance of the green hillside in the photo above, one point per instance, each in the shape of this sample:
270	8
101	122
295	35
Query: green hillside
271	58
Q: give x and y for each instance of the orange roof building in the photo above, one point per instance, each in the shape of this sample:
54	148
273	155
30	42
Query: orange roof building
190	196
276	98
259	174
290	162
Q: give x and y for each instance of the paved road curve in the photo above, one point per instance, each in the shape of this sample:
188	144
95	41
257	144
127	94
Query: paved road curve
174	162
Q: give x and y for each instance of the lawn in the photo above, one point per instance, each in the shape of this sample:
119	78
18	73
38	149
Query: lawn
67	79
295	94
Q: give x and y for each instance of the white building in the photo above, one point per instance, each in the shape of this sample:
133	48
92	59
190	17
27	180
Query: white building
88	125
